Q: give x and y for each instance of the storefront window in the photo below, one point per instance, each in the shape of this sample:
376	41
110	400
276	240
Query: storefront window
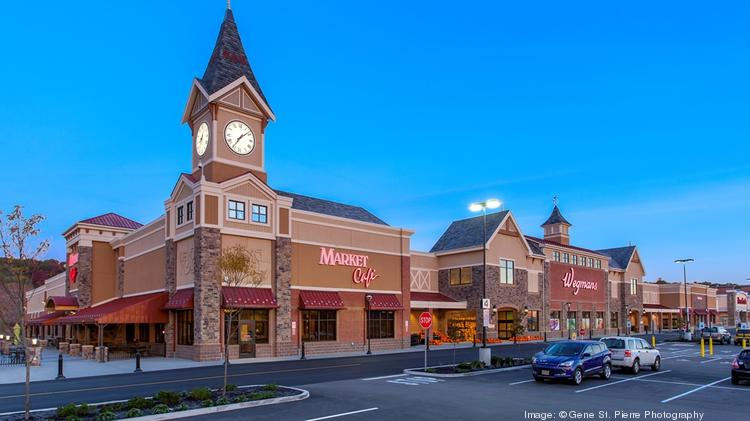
599	323
130	333
532	321
506	271
554	321
460	276
245	316
462	325
159	333
614	320
505	324
184	322
143	333
571	320
319	325
586	320
381	324
665	322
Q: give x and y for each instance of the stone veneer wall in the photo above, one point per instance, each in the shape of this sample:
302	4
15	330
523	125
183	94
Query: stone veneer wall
171	284
120	277
83	281
282	286
207	304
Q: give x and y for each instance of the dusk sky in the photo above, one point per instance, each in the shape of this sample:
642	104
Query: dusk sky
633	113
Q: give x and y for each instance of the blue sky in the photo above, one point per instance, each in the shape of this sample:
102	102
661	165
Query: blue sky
634	113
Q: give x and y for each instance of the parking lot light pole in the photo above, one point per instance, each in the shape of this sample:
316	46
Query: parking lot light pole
567	316
684	263
476	207
368	299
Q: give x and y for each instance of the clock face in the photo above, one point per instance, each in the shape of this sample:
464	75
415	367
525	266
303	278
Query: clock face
201	139
239	137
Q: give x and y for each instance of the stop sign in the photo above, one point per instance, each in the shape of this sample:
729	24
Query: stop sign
425	320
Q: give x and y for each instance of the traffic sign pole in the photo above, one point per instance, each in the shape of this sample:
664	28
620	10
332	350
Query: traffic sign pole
425	320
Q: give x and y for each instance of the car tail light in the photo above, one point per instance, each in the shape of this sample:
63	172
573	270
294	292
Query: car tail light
734	364
628	353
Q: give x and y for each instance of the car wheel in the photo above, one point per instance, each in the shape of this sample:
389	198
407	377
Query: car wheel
636	368
606	371
539	379
657	364
735	380
577	376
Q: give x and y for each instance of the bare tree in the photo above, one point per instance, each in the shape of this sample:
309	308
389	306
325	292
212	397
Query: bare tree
19	243
238	267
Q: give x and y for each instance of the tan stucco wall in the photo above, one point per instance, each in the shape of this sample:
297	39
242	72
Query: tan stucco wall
146	272
103	271
147	239
345	237
185	261
261	249
424	273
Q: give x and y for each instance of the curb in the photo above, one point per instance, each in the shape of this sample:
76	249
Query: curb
419	372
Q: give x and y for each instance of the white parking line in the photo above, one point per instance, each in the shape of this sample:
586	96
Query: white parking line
343	414
524	381
679	356
383	377
695	390
711	360
622	381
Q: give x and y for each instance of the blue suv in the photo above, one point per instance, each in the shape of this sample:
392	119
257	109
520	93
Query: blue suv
572	360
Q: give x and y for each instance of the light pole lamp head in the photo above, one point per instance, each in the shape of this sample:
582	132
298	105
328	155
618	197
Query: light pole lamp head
684	261
475	207
368	297
525	310
34	341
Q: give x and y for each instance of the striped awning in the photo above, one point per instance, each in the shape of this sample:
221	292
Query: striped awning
145	308
46	319
181	300
385	302
321	300
244	297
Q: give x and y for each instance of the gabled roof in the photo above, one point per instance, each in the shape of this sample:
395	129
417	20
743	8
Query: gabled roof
468	232
228	61
112	220
541	242
535	247
327	207
556	218
619	257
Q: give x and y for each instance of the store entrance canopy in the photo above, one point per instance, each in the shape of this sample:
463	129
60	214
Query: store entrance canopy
145	308
46	319
321	300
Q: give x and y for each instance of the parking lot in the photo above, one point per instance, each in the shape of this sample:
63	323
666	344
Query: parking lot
687	387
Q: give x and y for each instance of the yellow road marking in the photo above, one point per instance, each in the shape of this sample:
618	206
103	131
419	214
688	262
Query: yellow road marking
124	386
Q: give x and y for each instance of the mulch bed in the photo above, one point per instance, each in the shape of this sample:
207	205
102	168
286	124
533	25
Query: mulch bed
470	366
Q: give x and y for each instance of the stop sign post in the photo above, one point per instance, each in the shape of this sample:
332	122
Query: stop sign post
425	320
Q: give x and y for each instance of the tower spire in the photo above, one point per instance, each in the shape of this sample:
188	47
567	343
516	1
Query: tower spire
229	4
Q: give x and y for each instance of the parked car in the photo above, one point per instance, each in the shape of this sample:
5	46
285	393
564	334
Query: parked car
740	335
741	366
572	361
632	353
718	334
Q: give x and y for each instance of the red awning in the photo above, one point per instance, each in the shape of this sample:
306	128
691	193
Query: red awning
698	311
46	319
431	296
243	297
145	308
181	300
321	300
385	302
67	302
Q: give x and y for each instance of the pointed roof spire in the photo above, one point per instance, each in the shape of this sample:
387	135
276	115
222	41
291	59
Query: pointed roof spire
228	61
556	217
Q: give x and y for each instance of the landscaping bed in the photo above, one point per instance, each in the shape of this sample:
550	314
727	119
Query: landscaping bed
475	366
165	402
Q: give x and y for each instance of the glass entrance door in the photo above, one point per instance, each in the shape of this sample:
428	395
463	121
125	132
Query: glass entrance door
505	324
247	338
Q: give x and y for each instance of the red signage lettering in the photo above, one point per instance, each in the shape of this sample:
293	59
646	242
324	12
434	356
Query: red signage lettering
361	274
741	299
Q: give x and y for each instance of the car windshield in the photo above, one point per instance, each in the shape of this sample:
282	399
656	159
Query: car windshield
564	350
614	343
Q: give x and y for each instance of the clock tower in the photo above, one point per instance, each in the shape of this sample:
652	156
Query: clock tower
228	113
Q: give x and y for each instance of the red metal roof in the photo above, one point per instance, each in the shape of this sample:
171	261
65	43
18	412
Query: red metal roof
321	300
46	319
385	302
62	301
659	306
431	296
181	300
112	220
243	297
139	309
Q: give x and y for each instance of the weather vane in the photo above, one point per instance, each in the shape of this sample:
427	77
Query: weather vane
554	200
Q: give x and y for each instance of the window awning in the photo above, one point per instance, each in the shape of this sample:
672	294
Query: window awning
435	300
244	297
46	319
181	300
62	303
699	311
321	300
658	308
385	302
145	308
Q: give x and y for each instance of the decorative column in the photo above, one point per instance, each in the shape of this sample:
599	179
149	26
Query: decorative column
207	304
282	285
171	275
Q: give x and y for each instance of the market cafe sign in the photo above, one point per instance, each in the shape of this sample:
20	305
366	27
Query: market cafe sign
362	274
569	281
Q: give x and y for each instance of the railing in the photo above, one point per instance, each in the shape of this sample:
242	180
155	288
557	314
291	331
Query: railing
13	357
128	351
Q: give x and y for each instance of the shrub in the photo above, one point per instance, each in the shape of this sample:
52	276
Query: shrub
82	410
133	412
66	410
230	388
477	365
200	394
139	402
167	398
160	409
181	407
240	398
72	418
206	403
222	401
495	360
106	416
256	396
272	387
464	366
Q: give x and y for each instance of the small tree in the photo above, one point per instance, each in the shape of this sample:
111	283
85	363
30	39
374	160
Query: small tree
518	329
19	244
238	267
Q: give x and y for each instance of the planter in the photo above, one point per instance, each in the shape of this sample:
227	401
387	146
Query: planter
471	368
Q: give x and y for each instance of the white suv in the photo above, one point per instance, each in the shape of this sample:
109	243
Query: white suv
632	353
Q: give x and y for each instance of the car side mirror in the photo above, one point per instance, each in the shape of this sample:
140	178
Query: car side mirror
586	354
